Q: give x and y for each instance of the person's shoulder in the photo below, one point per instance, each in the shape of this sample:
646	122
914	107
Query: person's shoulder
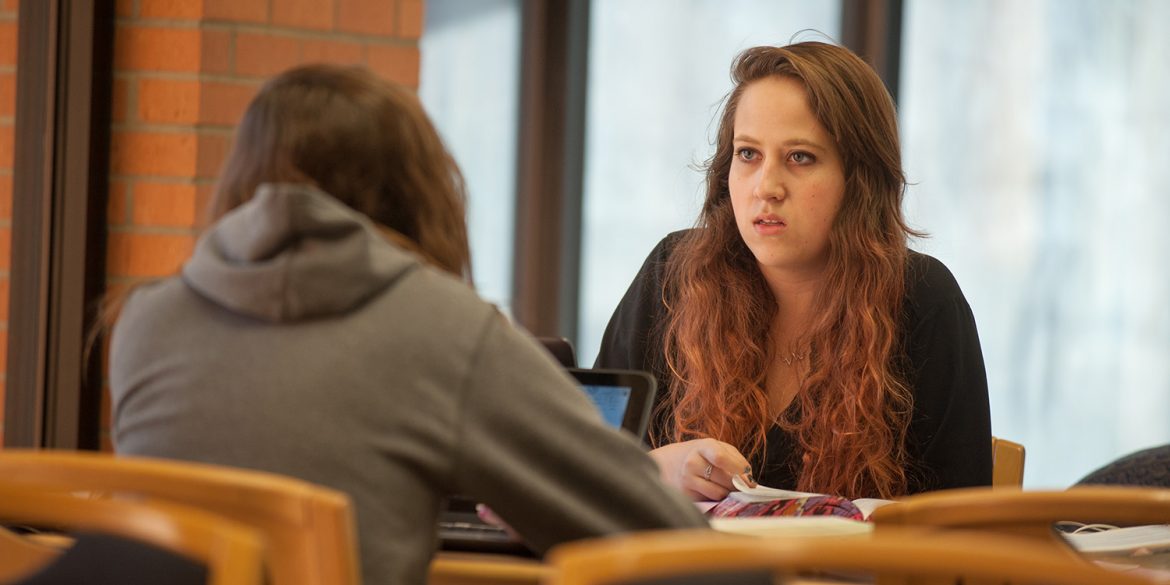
155	290
149	300
429	288
929	283
151	316
669	242
928	276
655	264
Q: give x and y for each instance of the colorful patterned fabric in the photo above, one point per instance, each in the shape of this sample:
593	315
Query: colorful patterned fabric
807	506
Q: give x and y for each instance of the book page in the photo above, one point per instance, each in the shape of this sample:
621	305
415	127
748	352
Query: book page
868	505
762	493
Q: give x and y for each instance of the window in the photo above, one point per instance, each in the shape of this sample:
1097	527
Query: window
1037	139
469	84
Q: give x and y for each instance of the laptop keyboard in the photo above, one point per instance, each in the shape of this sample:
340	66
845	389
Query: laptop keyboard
466	532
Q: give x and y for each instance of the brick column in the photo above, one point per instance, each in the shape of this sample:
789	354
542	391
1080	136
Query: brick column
183	72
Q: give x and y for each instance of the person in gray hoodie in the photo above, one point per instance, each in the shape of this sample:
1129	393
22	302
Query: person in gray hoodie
324	328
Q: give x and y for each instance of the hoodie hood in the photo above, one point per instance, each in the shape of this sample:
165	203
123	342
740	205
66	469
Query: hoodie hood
293	252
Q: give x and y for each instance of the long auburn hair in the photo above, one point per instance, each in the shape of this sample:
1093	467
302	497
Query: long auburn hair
852	411
363	140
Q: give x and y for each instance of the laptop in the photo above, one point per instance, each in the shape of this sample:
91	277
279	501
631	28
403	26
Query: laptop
625	399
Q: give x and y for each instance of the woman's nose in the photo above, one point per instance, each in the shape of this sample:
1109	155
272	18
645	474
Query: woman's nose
772	184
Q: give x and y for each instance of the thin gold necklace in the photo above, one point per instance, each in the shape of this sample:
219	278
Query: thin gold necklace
793	357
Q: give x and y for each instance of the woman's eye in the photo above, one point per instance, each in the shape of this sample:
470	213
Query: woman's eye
746	154
801	158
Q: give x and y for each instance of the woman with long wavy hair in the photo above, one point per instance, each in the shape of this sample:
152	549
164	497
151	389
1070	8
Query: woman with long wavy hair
795	336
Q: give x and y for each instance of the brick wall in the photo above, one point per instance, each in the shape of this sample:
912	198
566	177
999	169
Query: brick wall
8	11
183	72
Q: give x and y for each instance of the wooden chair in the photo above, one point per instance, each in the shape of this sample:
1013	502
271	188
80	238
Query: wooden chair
231	552
309	530
898	556
471	568
20	556
1026	513
1007	458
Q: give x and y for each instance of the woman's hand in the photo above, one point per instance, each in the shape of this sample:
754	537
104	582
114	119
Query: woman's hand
702	468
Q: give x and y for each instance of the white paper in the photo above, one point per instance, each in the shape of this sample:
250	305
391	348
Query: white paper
1115	540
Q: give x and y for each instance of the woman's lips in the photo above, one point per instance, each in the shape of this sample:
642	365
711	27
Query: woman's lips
768	225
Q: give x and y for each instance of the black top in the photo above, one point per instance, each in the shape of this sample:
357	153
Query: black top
949	439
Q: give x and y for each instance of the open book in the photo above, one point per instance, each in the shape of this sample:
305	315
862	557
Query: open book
1137	550
765	501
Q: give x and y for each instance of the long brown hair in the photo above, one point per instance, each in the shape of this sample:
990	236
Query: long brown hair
361	139
853	408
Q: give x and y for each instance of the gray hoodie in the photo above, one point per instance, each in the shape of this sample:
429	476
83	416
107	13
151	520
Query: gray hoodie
299	341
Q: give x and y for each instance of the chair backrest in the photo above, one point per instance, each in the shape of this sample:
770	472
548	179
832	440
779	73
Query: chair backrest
20	555
893	557
1027	513
1007	468
309	530
231	552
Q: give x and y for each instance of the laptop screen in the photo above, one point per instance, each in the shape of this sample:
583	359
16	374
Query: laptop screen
612	401
624	397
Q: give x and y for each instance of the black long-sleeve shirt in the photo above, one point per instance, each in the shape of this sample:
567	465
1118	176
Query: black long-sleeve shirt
949	439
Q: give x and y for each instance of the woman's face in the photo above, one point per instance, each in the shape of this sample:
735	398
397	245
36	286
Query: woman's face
786	180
